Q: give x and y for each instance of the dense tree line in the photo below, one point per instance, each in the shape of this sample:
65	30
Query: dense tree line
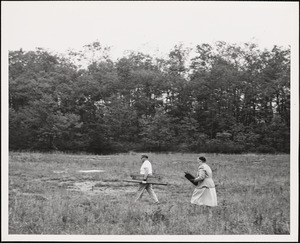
224	98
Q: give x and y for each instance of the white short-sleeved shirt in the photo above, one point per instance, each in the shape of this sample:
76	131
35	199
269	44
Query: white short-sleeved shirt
148	165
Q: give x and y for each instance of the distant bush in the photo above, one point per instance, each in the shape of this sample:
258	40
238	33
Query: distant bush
265	149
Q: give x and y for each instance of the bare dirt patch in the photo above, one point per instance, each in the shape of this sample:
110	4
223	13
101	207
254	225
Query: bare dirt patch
59	172
93	187
102	187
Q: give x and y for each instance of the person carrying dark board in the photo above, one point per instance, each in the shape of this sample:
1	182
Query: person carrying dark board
205	191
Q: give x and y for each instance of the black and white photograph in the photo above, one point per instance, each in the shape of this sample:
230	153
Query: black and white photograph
138	121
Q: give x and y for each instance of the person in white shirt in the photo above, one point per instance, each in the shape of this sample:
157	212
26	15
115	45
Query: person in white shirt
146	169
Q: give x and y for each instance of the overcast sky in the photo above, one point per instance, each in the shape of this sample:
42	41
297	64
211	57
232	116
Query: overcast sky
145	26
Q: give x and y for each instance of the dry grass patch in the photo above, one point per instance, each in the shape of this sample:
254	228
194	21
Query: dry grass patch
253	195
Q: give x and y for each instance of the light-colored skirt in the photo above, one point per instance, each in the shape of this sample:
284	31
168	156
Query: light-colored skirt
205	196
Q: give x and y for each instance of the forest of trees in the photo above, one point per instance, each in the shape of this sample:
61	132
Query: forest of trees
225	98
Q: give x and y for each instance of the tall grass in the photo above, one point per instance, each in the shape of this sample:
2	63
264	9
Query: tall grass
253	195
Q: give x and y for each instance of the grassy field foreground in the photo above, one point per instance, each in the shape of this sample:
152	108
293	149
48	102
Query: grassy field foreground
53	194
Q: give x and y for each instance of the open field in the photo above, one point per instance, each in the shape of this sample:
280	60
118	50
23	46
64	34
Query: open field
52	194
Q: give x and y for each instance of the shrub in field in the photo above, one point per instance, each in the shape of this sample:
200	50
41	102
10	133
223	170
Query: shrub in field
225	147
265	149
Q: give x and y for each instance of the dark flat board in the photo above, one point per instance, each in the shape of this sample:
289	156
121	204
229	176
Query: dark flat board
148	182
154	177
189	176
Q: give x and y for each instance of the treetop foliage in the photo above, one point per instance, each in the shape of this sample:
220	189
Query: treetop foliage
220	98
